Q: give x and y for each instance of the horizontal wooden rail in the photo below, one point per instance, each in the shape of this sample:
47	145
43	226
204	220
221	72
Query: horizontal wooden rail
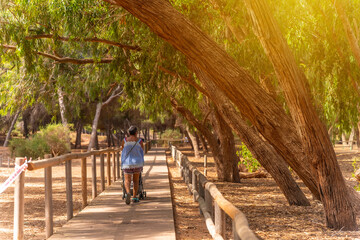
47	165
206	193
48	162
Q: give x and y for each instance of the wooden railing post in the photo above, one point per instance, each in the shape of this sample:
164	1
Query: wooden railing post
194	182
93	171
219	220
19	203
114	165
102	172
108	170
205	165
69	197
118	164
234	233
209	203
49	226
83	182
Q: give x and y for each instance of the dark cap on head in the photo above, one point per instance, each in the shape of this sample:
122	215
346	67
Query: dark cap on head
132	130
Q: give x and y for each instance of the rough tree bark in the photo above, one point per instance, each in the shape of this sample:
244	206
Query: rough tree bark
116	93
62	106
194	142
224	168
8	135
203	143
274	164
79	127
253	102
335	197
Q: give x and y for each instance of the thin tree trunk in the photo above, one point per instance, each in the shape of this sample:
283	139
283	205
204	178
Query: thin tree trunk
62	107
79	127
222	169
203	143
94	126
316	142
194	142
343	139
353	41
351	138
274	163
8	135
26	119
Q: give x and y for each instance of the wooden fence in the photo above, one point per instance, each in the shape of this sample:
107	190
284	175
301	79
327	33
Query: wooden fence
211	202
112	174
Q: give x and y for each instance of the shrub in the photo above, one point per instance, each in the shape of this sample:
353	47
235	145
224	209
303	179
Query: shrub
32	148
171	134
55	139
247	158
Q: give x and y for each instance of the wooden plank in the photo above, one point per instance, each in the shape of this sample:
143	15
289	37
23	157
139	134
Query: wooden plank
108	170
102	172
19	203
69	195
83	183
93	176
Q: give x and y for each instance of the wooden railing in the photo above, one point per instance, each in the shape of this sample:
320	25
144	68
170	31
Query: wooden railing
211	201
112	174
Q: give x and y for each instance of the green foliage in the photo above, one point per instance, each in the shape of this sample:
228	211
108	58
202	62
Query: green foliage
57	137
247	158
35	147
53	139
171	134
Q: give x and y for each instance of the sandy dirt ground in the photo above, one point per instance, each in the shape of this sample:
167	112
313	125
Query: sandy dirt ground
260	199
262	202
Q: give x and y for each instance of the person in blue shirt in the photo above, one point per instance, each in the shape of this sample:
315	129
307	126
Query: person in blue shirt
132	162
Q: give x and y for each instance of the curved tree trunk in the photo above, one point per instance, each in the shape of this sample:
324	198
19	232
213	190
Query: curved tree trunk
62	107
316	142
203	143
251	100
194	142
79	127
93	136
8	135
274	164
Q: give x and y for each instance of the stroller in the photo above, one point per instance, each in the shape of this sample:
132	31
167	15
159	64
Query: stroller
141	192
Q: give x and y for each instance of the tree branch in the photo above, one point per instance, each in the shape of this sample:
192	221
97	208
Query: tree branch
114	94
65	59
185	79
95	39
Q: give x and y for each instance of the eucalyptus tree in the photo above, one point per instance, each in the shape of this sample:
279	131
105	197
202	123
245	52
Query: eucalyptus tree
277	127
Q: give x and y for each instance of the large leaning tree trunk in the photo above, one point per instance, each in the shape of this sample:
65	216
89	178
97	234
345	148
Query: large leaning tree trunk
316	142
116	93
224	167
227	144
8	135
252	101
274	164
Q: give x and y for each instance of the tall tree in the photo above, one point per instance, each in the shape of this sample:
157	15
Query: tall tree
268	118
333	192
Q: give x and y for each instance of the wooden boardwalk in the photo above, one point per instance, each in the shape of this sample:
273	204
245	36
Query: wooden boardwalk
108	217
